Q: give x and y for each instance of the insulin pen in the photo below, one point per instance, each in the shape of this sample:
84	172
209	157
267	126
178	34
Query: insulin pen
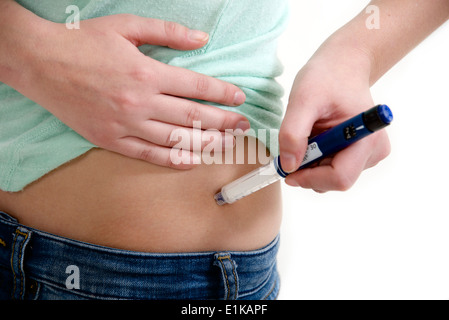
319	147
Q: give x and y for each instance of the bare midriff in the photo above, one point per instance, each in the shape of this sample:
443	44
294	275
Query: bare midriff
108	199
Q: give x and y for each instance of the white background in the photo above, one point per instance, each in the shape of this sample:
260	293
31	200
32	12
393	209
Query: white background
387	237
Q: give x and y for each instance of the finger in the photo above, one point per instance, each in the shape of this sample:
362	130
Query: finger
186	83
186	113
338	175
167	157
294	133
193	139
140	30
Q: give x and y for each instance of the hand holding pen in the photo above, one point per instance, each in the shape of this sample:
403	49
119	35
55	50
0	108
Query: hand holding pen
335	85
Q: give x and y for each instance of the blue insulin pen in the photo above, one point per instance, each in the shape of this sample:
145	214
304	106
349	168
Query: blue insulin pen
321	146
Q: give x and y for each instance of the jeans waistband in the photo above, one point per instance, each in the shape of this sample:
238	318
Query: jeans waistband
95	271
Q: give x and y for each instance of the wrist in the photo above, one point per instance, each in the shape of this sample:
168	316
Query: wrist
21	32
346	56
401	26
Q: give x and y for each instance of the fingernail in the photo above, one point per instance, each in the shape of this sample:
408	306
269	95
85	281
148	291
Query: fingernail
239	98
197	35
243	125
288	162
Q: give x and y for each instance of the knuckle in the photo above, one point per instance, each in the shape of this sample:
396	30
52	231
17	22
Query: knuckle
193	114
228	94
201	85
142	73
176	137
125	102
147	155
172	139
386	150
103	135
229	120
170	28
288	138
343	182
383	154
226	122
382	149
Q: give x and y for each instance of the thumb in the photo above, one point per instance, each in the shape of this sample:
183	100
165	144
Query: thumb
294	133
141	31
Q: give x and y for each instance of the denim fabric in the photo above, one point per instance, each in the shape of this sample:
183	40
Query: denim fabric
36	265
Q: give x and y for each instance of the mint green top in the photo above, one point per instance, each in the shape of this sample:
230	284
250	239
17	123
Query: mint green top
241	50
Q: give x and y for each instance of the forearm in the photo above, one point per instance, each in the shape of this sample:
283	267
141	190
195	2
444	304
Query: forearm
402	25
20	34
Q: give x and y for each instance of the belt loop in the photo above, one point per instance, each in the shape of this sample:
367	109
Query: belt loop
7	217
21	238
229	275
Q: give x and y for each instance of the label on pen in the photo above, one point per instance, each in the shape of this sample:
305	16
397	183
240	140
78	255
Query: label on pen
313	152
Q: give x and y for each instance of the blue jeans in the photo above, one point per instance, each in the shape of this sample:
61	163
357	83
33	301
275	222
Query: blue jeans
38	265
